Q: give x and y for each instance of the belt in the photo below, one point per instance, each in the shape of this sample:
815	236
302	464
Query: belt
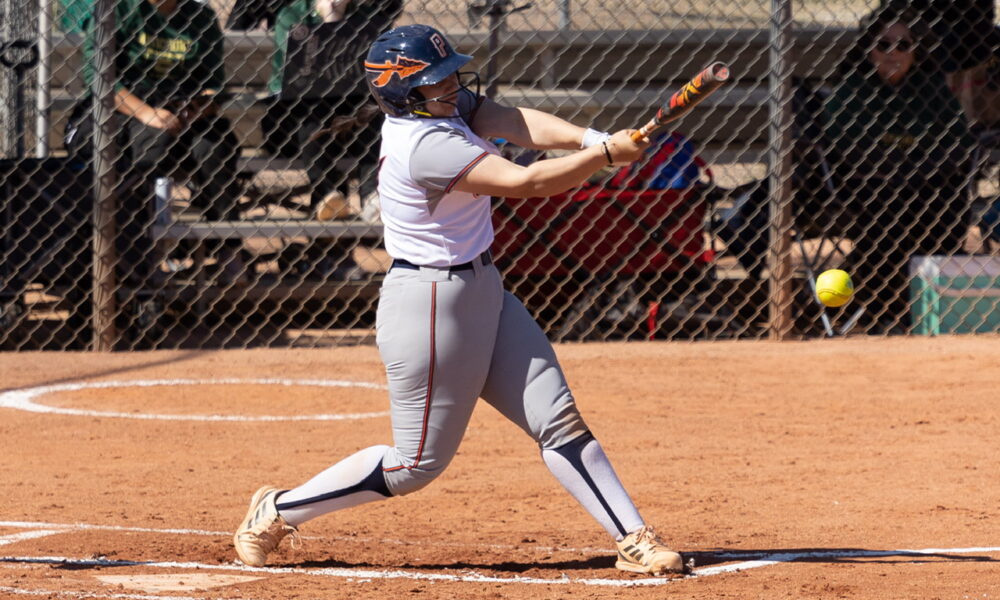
486	258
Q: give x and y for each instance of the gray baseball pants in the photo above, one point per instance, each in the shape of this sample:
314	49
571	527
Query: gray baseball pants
448	338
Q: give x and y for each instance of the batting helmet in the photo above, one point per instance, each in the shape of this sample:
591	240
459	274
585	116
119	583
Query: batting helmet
405	58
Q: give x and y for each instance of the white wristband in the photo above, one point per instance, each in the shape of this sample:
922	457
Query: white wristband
592	137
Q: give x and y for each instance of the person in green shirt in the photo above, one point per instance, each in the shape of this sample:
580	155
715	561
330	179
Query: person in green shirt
336	132
170	75
899	146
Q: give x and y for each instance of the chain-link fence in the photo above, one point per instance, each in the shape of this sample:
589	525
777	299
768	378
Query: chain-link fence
179	174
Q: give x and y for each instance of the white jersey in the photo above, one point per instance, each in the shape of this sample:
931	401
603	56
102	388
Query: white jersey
426	222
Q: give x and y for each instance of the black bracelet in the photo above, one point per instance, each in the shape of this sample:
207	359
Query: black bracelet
607	153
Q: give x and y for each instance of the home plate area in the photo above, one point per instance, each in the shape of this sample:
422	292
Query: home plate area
145	579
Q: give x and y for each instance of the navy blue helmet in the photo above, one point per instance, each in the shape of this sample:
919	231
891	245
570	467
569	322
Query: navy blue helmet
404	58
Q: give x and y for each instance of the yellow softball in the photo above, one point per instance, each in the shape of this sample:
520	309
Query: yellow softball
834	287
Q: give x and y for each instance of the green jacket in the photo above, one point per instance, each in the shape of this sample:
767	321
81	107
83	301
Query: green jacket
163	58
290	15
921	119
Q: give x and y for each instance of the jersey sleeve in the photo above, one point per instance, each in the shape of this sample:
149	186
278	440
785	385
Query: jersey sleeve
441	157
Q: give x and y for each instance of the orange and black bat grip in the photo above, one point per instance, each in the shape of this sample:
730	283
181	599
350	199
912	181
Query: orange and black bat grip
693	92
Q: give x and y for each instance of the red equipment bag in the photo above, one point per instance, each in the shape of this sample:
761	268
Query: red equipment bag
595	231
648	219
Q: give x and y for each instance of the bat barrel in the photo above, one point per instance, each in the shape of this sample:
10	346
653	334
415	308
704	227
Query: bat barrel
704	83
718	71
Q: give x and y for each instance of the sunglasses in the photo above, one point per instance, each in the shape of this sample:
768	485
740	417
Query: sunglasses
886	46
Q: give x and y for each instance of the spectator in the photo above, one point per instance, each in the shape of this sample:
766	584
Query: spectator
969	50
170	74
899	147
965	29
326	117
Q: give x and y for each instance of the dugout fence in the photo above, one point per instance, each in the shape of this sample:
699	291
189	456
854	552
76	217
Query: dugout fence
258	224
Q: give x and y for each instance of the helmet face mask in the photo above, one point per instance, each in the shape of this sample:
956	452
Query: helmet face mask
466	81
404	59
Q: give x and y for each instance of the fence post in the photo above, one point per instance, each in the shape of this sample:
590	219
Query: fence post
18	19
779	160
565	18
496	14
43	99
105	154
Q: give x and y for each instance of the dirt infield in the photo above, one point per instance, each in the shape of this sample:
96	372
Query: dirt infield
829	469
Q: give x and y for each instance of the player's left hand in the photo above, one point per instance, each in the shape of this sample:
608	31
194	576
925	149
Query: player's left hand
623	150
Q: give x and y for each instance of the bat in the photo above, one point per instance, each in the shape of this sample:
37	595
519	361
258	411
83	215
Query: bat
683	100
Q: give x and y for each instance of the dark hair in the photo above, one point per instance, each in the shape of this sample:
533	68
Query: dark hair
926	44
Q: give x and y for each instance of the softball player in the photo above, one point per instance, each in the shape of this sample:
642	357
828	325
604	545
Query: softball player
447	331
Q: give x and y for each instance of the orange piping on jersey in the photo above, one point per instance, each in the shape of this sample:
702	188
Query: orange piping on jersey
467	168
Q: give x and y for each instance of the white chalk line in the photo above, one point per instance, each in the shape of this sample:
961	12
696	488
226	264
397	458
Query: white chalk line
784	557
25	535
64	527
70	527
26	399
73	594
759	559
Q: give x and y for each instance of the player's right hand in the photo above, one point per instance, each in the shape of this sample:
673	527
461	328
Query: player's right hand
623	150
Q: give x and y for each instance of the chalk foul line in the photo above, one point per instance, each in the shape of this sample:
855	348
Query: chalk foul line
26	399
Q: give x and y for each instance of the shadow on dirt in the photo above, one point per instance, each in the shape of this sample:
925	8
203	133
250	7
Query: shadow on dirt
592	563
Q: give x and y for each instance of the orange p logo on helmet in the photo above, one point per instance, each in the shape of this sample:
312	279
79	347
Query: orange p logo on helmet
403	67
